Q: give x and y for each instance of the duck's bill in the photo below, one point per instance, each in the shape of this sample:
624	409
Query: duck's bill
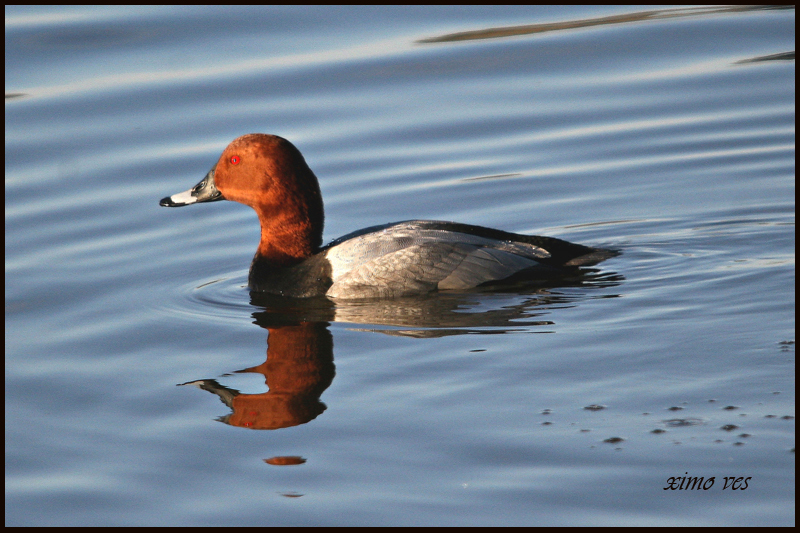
205	191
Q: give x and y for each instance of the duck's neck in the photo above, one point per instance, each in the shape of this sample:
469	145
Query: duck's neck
287	240
285	262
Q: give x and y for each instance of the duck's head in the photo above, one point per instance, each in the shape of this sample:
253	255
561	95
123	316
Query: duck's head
270	175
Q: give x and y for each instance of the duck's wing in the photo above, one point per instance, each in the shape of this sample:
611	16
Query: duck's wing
419	256
424	267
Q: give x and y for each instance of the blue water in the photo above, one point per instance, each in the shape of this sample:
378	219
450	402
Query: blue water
666	134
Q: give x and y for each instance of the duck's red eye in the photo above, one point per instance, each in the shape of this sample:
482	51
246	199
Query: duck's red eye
235	160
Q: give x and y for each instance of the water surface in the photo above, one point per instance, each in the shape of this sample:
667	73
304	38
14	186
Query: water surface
666	134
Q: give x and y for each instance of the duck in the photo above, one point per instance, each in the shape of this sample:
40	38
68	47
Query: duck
412	257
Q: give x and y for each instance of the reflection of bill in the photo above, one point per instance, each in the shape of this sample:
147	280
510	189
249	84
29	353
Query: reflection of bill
298	368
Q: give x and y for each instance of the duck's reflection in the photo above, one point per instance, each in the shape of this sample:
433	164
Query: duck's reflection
299	363
298	368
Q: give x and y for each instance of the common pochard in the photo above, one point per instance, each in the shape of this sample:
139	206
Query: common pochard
270	175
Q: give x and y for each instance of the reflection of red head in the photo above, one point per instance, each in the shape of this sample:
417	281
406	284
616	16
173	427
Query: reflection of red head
299	367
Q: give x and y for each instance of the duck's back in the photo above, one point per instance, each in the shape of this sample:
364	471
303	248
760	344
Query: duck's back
419	256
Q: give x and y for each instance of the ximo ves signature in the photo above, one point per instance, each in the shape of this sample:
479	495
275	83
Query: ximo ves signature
699	483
